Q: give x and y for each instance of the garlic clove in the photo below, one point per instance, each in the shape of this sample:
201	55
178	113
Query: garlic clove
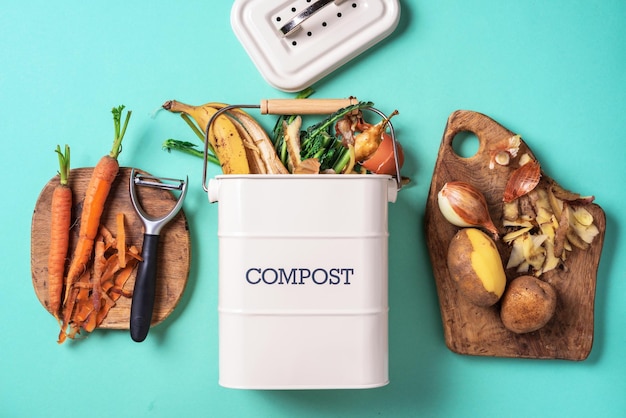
524	158
504	150
502	158
464	205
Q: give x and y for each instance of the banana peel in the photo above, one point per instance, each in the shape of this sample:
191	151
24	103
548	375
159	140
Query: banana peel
240	143
223	135
260	149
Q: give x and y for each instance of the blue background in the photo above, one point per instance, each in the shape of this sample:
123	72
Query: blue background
555	72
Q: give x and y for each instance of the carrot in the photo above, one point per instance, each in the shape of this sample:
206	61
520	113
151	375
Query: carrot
97	191
60	221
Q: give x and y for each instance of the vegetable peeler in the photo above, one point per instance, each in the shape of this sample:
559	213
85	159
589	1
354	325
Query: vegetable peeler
145	281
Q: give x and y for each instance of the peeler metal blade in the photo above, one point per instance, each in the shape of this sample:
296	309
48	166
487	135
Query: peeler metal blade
145	282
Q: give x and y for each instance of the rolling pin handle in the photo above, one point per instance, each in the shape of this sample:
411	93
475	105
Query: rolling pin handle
304	106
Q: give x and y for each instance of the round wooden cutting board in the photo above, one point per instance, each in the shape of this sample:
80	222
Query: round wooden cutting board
174	246
473	330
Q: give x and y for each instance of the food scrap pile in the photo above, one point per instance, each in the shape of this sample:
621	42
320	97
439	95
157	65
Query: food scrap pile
98	288
545	224
81	295
342	143
541	222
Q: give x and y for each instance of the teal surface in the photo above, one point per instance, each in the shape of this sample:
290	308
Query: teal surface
554	71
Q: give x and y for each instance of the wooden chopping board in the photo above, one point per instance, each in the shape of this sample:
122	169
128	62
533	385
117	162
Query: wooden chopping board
174	245
472	330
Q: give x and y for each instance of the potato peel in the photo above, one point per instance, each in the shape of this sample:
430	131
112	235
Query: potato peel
547	227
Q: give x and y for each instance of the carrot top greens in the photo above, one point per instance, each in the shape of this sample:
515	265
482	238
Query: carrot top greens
119	130
64	164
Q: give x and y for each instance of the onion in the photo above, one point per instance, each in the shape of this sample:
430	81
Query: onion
464	205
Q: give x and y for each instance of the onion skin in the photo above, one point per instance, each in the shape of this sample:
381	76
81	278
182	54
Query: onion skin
464	205
522	181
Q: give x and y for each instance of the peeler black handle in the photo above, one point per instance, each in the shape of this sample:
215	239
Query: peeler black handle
145	289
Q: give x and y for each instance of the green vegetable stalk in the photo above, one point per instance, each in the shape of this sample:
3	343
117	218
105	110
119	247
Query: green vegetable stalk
278	136
188	148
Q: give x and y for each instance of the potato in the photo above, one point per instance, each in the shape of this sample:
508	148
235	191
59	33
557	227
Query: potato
528	304
475	265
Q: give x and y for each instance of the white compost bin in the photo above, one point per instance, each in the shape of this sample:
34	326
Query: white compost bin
303	299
